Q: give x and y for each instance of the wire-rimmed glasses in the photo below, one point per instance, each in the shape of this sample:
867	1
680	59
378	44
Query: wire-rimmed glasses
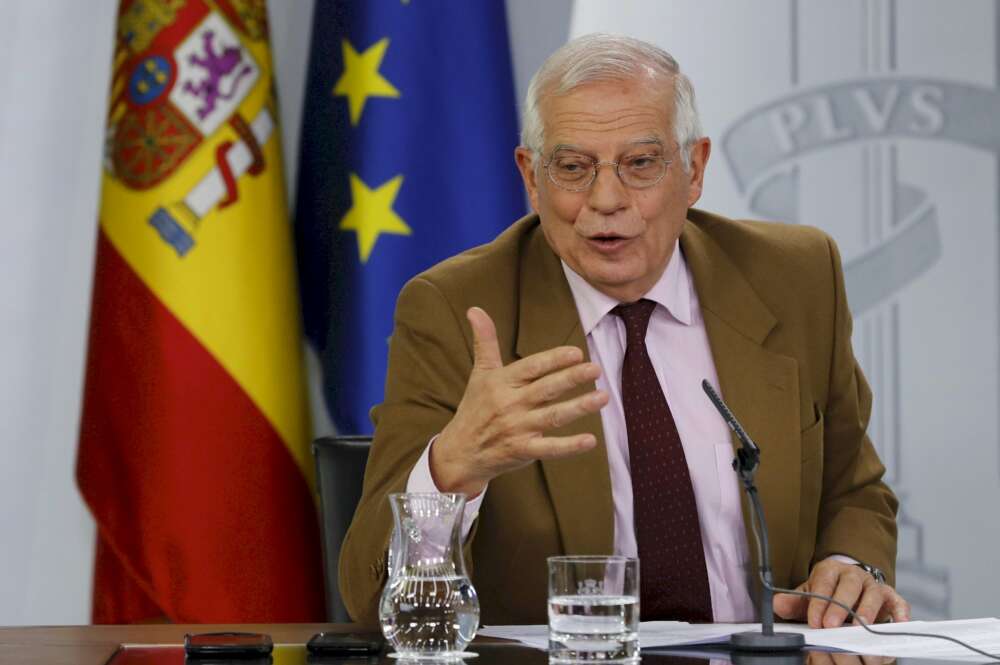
574	172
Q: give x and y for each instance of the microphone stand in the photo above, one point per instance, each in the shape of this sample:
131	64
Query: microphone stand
745	464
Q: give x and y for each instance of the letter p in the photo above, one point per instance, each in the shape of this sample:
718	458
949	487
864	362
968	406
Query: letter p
786	120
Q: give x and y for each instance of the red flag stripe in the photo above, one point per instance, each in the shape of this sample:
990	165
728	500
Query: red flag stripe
120	596
192	487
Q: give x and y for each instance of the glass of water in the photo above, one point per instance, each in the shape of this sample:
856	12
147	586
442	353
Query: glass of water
593	608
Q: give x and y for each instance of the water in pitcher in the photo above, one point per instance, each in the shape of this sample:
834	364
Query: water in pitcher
430	616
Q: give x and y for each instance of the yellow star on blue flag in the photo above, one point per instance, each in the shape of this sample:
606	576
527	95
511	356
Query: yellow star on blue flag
372	213
361	78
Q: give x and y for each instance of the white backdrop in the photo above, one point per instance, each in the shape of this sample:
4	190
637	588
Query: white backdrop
929	343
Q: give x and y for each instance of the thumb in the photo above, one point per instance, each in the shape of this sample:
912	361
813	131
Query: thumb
485	347
788	606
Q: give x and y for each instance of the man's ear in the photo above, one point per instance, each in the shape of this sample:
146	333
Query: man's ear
700	151
525	164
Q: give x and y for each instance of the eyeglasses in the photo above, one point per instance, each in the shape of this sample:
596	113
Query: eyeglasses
576	173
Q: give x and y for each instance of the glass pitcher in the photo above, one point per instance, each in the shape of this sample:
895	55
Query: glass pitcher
428	607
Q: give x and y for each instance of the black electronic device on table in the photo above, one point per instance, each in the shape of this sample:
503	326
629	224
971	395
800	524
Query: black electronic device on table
226	645
345	645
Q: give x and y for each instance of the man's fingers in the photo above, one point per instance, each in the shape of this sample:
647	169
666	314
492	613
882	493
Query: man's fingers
873	598
485	347
868	659
554	416
818	657
846	659
881	602
850	586
537	365
895	607
552	447
900	608
823	581
551	387
789	607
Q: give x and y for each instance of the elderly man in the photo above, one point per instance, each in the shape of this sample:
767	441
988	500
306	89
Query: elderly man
554	375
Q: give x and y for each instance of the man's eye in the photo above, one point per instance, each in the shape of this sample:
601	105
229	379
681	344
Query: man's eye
571	167
641	162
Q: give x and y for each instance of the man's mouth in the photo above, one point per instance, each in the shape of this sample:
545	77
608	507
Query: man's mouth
607	242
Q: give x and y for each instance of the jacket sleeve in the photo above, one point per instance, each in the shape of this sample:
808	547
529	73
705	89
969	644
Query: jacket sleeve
430	359
857	509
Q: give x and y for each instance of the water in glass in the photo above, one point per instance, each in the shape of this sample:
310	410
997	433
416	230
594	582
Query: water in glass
593	609
603	627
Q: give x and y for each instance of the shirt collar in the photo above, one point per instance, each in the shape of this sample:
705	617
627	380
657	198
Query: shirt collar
672	291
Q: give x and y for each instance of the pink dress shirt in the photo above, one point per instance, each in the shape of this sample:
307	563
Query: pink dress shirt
678	346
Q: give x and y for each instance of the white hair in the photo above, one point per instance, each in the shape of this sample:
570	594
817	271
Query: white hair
601	57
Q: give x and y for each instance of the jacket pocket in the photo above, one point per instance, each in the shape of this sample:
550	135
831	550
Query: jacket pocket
811	493
812	438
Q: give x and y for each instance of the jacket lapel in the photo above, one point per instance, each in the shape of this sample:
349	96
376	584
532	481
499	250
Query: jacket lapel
580	486
758	385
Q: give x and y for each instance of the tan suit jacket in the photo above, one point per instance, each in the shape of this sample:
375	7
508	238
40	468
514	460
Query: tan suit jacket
774	306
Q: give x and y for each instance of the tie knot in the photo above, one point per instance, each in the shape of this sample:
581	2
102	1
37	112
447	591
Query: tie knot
636	317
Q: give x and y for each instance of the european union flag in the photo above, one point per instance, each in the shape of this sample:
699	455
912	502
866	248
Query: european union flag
406	159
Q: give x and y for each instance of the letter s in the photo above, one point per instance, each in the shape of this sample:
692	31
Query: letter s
927	106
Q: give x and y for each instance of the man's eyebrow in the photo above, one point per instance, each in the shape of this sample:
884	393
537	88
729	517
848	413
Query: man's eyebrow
643	141
649	140
570	147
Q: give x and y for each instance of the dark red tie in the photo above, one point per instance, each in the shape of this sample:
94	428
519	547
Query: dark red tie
672	574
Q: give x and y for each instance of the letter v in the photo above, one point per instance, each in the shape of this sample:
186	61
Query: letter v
878	118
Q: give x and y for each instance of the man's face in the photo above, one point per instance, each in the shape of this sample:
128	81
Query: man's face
618	238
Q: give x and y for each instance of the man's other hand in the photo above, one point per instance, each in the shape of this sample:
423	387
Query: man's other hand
837	658
849	584
505	413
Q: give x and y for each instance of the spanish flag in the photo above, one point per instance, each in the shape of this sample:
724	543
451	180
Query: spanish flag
194	438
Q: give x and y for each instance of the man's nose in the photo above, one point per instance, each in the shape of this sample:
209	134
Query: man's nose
608	194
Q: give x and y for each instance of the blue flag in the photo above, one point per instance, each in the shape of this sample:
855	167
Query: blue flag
406	159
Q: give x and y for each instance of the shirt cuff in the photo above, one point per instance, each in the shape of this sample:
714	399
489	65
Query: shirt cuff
421	480
843	558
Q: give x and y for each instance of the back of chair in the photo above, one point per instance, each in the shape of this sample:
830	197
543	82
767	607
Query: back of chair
340	469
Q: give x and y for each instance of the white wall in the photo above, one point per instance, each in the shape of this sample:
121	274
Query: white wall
931	349
54	63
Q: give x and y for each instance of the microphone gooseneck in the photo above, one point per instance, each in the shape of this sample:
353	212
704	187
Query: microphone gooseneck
746	463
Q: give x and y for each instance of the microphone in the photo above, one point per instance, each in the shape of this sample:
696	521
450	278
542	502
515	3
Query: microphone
748	456
746	463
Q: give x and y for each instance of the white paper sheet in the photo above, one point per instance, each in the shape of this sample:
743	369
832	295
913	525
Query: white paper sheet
981	633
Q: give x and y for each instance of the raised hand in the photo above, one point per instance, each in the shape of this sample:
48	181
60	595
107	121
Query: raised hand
505	412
